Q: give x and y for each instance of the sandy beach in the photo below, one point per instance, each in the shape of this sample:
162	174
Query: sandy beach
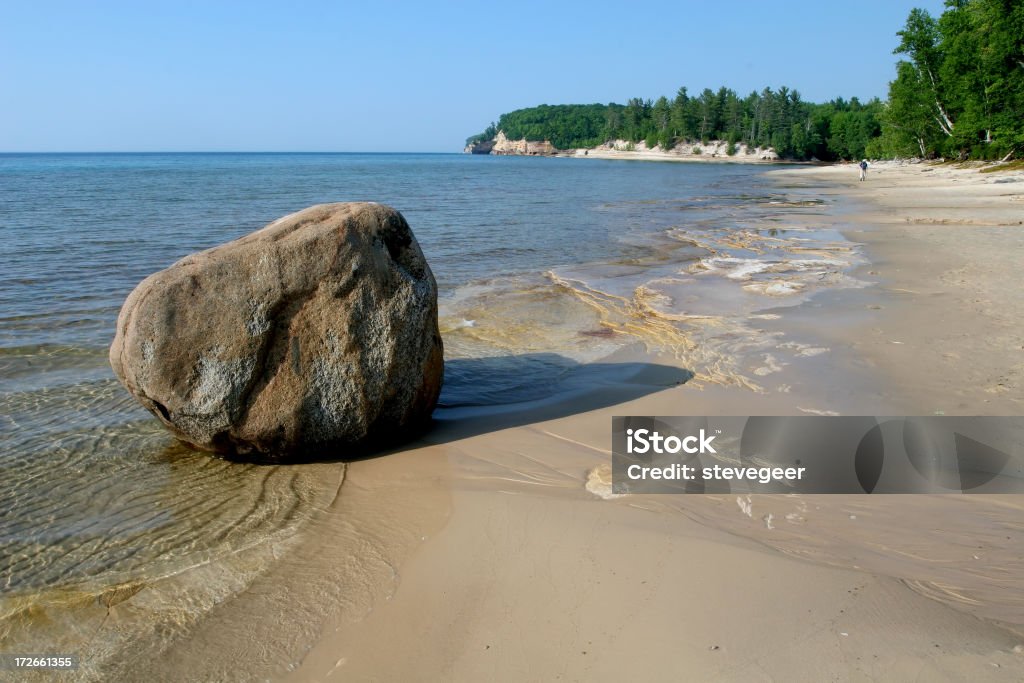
347	342
714	151
491	550
944	243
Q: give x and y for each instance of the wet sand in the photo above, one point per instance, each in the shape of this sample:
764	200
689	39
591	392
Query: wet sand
489	550
945	246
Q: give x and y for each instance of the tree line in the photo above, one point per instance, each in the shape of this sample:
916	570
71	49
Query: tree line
959	93
771	118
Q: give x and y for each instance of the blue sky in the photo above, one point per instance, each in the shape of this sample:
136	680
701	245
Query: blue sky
393	76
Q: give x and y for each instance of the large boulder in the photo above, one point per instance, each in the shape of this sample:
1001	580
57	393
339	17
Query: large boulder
314	336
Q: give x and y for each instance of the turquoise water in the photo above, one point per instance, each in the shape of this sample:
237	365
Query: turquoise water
543	264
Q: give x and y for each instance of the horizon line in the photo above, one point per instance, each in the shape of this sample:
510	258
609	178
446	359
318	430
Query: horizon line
214	151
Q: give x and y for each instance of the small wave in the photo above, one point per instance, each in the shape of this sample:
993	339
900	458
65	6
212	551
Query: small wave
815	411
745	268
599	482
777	288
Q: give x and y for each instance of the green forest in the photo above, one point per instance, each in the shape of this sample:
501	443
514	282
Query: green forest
958	93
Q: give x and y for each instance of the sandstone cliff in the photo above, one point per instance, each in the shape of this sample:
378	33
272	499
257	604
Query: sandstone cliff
501	145
713	150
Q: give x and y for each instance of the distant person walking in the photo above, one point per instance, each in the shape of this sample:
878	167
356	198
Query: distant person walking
863	168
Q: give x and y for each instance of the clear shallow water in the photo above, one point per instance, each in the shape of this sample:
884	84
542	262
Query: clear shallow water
541	263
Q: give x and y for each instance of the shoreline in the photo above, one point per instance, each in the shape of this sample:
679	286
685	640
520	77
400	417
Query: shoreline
481	551
567	584
940	241
713	152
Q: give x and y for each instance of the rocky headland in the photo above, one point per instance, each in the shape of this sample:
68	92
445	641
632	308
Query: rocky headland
503	146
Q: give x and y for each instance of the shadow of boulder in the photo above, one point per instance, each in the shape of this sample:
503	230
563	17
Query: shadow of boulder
482	395
489	394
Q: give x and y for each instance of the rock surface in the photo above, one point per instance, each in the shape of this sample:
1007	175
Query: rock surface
503	146
309	337
480	147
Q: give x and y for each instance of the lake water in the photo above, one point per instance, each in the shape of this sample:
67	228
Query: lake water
543	264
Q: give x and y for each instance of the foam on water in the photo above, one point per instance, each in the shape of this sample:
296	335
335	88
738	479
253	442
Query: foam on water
692	293
599	482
